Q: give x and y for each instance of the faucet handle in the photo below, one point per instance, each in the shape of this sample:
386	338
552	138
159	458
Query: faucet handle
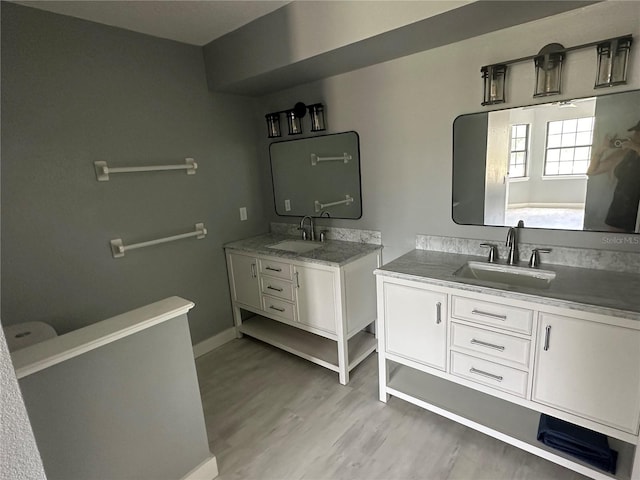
534	261
493	252
304	233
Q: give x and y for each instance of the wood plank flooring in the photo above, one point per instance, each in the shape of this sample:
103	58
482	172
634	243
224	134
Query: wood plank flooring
271	415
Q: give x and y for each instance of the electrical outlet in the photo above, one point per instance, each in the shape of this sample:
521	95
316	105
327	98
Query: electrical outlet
243	214
287	205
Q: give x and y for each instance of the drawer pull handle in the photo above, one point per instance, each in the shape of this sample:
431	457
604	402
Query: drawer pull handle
274	288
547	334
253	270
273	269
276	308
486	374
488	345
438	313
488	314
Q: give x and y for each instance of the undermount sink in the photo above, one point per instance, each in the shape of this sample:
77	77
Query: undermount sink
296	246
507	274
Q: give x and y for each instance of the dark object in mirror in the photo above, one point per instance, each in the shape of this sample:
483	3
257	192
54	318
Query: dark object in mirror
576	165
317	175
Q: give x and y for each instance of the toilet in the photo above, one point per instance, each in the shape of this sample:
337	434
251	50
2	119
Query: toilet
23	335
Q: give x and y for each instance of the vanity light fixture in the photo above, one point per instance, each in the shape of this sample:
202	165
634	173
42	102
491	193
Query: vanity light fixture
548	64
273	125
316	114
613	59
494	77
294	119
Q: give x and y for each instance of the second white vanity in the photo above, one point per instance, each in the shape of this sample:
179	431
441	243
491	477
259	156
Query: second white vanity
494	357
312	299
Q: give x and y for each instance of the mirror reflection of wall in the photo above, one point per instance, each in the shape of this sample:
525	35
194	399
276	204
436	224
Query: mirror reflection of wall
536	161
317	176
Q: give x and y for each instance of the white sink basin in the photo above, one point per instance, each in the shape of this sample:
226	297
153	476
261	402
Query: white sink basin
507	274
296	246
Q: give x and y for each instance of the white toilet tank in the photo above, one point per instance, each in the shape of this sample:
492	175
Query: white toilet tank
23	335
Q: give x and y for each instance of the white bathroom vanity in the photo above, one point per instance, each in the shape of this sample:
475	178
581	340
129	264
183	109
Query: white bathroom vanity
494	357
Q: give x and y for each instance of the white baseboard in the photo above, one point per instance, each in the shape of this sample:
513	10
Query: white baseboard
214	342
207	470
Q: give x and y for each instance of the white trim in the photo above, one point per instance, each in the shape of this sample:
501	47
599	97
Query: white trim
214	342
518	179
577	176
577	206
29	360
207	470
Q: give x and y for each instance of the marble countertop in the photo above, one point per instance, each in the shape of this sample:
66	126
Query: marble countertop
335	253
597	291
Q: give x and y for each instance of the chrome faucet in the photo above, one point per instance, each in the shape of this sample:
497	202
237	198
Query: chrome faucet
512	242
311	235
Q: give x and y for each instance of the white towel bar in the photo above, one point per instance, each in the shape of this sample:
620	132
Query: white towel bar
347	201
103	170
118	248
315	159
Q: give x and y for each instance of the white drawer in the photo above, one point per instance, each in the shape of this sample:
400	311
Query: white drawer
494	314
277	288
279	308
488	373
276	269
499	346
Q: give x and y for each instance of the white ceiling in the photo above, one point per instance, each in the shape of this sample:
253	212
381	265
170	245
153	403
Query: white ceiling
193	22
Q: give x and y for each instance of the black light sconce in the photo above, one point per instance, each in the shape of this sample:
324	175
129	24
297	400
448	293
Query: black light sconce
294	119
548	64
613	59
494	83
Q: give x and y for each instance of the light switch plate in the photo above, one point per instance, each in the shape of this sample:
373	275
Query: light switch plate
287	205
243	213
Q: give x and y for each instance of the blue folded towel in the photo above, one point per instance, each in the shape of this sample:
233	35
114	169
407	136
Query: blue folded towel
589	446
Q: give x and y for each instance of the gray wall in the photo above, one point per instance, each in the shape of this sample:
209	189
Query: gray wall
74	92
130	409
404	109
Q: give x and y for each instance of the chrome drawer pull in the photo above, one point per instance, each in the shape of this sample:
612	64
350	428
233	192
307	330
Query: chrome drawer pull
253	270
273	269
274	288
488	345
438	313
485	374
487	314
547	334
276	308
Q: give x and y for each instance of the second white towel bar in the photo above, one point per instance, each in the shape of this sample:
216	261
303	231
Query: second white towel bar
118	248
103	170
315	159
348	199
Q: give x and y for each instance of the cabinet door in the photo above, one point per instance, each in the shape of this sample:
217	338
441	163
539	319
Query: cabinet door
415	326
589	369
244	272
315	294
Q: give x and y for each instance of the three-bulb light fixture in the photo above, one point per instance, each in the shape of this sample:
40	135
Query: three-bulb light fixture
613	60
294	118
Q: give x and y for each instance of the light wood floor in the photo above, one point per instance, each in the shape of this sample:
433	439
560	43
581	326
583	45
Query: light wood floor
271	415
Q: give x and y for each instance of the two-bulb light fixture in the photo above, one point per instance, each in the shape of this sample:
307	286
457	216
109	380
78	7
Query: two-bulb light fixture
294	118
613	60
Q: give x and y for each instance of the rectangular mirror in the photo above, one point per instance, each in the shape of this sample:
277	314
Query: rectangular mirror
571	165
317	176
